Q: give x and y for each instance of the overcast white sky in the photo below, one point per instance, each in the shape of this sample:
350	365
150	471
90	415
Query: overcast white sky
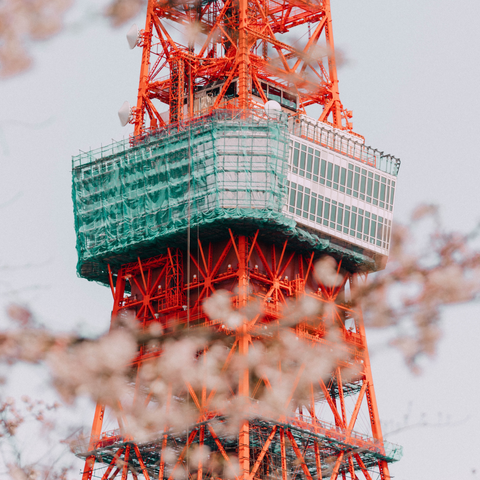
411	78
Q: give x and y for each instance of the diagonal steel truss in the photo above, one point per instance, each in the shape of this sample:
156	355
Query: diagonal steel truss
288	44
319	438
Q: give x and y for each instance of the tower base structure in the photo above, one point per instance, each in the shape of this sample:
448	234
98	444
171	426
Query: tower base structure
316	434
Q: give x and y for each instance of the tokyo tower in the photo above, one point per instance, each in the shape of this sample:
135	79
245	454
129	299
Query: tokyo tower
242	172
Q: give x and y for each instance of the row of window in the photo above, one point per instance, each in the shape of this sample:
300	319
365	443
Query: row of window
353	221
284	98
354	180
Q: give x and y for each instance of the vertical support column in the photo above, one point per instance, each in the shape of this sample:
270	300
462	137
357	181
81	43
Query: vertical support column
96	430
177	89
243	63
242	271
161	469
118	296
144	69
190	98
243	340
370	391
318	461
193	14
332	68
200	462
341	396
100	409
125	468
243	393
283	452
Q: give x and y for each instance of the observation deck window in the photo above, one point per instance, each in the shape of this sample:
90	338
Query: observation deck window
284	98
289	101
356	222
358	182
205	96
354	214
274	94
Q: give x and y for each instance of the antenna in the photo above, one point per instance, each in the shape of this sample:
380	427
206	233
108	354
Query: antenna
272	109
133	36
125	113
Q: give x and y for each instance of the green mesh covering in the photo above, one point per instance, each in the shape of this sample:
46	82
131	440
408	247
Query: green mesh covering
136	198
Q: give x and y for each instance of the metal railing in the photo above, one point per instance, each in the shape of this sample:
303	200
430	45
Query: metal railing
334	432
253	116
300	126
343	143
384	449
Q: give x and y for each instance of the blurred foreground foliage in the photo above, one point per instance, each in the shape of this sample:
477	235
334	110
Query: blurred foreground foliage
23	22
429	269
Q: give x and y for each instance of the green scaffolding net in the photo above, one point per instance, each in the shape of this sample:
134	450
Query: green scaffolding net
223	171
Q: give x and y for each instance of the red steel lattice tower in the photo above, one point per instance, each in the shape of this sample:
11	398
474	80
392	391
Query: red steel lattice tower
234	48
231	186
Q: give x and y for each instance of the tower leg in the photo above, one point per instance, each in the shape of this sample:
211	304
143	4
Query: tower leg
243	339
370	392
94	436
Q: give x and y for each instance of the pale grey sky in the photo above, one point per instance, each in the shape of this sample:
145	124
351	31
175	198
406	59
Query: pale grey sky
411	79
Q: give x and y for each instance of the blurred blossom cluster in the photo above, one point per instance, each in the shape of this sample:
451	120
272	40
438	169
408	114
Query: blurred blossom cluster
25	21
196	371
14	415
429	268
120	11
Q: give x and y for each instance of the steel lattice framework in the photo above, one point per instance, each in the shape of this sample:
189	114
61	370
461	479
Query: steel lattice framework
239	46
238	55
305	445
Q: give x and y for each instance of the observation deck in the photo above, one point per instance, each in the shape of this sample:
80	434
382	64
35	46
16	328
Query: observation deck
291	177
339	187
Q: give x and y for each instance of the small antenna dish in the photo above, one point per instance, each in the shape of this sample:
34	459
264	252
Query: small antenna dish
272	109
132	36
125	113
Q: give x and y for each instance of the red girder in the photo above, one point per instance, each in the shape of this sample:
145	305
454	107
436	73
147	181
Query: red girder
159	294
228	50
